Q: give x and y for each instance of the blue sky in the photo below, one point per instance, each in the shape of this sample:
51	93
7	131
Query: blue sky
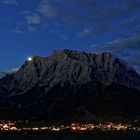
30	27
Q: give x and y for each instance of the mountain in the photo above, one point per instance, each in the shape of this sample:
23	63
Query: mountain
2	74
71	85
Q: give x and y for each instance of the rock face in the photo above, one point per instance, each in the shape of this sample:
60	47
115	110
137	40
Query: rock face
69	80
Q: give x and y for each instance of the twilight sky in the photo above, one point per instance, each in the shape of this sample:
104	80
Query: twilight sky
31	27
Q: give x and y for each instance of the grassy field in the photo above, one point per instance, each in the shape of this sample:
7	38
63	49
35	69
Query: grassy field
72	136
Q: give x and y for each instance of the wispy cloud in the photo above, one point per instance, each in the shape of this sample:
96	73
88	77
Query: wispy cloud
93	31
47	10
15	69
18	29
83	12
127	48
9	2
33	19
130	23
87	32
60	35
130	5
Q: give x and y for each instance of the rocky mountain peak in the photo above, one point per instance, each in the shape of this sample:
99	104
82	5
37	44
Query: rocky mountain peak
65	54
58	85
73	66
80	55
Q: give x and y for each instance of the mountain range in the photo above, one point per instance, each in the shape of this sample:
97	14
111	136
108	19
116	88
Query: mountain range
72	86
4	72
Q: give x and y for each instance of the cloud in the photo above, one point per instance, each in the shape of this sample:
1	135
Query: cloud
127	48
60	35
87	32
63	37
44	10
9	2
131	23
55	9
49	9
120	44
93	10
130	5
31	28
106	14
18	29
15	69
33	19
93	31
83	12
84	3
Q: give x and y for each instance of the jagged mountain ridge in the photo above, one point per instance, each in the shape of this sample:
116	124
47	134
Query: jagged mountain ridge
68	80
4	72
73	66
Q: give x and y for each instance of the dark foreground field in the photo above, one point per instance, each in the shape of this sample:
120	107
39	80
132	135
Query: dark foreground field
74	136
